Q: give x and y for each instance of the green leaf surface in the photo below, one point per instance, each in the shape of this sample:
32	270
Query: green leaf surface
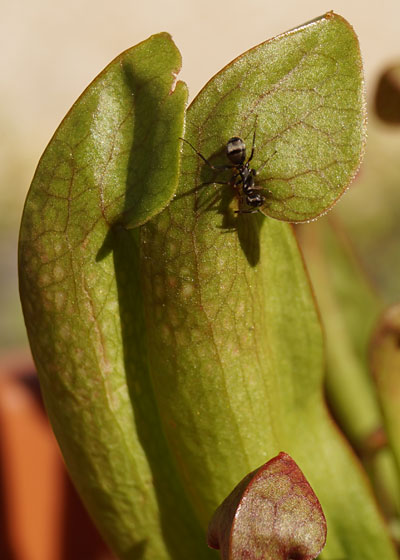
349	309
237	352
80	288
214	306
302	93
272	513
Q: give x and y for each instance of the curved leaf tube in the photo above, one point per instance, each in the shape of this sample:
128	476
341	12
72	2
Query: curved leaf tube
82	304
349	310
194	336
237	351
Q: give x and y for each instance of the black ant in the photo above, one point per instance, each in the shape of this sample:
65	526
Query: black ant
243	175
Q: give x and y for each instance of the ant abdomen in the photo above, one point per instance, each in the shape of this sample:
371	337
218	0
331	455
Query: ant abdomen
236	150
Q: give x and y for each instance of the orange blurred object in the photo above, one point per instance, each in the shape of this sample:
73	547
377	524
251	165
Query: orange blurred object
41	516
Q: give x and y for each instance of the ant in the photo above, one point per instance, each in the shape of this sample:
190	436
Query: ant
243	175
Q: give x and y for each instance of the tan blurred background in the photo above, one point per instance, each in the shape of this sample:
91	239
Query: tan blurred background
52	50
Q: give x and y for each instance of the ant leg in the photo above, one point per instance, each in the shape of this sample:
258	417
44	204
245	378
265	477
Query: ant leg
254	141
235	180
198	187
215	167
197	152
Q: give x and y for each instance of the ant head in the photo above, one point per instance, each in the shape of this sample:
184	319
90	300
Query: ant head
236	150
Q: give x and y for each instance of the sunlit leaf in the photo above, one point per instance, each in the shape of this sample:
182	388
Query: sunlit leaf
113	159
302	93
236	355
214	306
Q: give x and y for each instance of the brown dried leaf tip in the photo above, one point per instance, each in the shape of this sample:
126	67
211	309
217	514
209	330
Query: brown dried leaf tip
272	514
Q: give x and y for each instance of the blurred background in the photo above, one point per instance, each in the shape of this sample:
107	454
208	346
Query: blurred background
50	52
